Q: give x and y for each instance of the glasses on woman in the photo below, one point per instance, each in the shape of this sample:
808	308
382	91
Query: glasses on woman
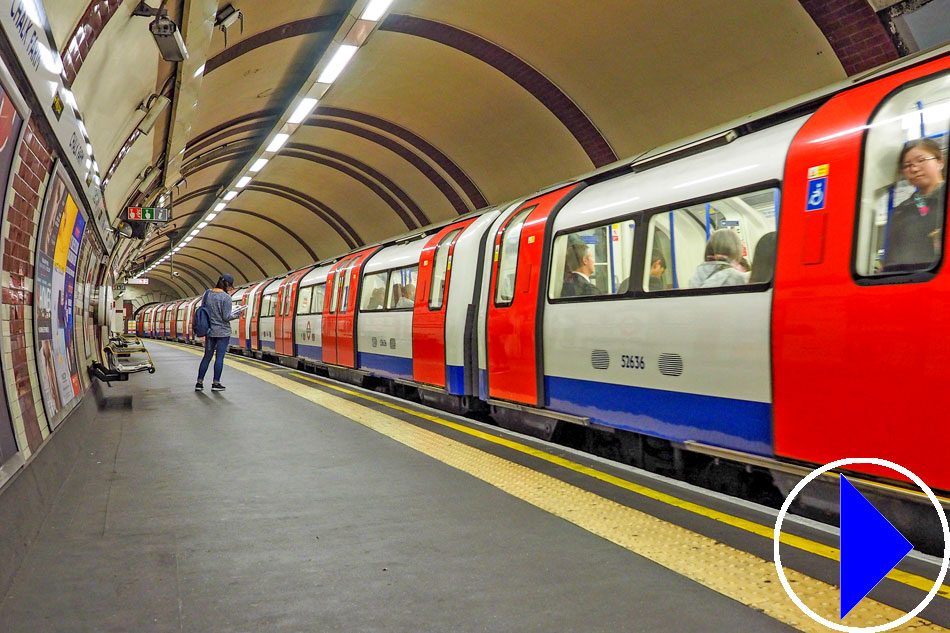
918	162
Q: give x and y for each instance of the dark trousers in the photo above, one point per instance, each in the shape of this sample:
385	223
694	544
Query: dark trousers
216	346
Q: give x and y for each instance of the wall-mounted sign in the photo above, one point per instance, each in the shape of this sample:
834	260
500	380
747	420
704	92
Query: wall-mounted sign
27	28
141	281
149	214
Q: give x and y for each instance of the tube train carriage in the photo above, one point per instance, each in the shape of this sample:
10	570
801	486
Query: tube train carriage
819	351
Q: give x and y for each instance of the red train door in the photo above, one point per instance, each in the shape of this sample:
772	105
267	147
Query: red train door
242	320
287	302
859	352
330	306
255	311
346	314
515	298
428	319
173	333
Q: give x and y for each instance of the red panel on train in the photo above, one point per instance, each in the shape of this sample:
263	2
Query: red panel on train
428	325
512	321
891	338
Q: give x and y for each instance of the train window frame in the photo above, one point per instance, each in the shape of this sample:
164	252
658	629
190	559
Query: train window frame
859	232
335	291
446	242
629	218
363	295
389	287
304	291
772	186
519	217
344	306
322	289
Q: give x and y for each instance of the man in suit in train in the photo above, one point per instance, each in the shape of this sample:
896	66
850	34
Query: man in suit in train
581	264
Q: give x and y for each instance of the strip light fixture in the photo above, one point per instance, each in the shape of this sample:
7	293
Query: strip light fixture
277	143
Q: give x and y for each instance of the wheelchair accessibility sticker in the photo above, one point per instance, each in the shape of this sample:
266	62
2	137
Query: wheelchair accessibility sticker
817	188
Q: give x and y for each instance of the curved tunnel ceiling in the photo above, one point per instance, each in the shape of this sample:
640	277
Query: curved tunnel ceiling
447	107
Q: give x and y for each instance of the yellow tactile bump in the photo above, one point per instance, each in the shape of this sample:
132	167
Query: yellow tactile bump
739	575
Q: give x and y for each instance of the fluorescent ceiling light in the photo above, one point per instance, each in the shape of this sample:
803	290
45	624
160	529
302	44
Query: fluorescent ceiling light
376	9
202	225
220	206
258	165
302	110
187	239
195	232
82	128
339	61
178	249
243	182
89	149
278	142
200	70
231	195
211	216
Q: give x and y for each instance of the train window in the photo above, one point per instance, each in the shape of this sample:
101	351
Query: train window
270	305
337	284
304	295
903	187
593	261
374	292
440	268
346	278
506	256
319	295
724	242
402	288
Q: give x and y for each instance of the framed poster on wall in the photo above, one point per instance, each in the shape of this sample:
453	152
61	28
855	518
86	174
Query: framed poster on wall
57	250
13	111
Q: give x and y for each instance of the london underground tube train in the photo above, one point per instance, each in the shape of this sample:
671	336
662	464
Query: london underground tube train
771	293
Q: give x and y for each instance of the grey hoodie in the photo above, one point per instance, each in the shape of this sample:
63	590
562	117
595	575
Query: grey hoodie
218	303
716	273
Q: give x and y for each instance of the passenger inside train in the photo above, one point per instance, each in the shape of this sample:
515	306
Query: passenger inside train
721	264
657	268
580	263
914	231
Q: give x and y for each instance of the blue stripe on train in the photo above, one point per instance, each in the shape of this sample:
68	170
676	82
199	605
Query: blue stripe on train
741	425
271	345
310	352
392	366
455	379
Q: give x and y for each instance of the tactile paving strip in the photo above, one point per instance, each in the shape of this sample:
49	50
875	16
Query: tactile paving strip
739	575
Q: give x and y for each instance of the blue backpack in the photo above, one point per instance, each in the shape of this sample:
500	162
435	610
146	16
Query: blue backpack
202	321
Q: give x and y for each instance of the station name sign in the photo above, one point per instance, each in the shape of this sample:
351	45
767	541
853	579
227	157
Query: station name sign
149	214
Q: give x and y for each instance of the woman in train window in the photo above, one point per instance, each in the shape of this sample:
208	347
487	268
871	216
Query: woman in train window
914	232
721	268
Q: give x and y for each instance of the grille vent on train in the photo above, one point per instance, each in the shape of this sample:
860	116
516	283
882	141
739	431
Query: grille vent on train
600	359
671	364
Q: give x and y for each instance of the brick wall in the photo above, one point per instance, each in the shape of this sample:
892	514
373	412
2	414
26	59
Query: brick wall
854	31
31	169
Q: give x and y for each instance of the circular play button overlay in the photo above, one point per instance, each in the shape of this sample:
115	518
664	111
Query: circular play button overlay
870	546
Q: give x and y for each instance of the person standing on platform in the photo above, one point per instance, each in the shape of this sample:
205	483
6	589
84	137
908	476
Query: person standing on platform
218	302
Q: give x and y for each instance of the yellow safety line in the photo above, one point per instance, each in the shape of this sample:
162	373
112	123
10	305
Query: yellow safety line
808	545
740	575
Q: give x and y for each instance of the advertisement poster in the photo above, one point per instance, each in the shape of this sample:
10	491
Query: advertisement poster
57	252
10	124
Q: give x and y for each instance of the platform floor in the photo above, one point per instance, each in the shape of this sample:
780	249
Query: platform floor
260	509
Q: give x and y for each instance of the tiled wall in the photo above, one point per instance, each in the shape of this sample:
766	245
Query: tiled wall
31	169
854	32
